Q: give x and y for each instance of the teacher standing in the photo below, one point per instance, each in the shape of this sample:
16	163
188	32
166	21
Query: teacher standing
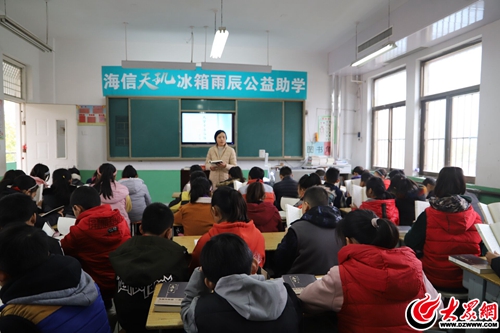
221	151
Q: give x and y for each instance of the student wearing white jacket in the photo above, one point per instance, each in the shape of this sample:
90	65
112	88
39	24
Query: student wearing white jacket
138	192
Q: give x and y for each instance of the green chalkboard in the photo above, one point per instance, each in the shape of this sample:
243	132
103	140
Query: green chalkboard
154	128
118	127
294	119
259	127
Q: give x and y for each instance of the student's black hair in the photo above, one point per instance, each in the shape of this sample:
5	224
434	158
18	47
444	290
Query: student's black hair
200	187
231	204
217	134
332	175
106	173
197	174
316	196
365	175
74	170
157	218
321	173
395	180
309	180
450	181
236	173
395	172
85	196
22	248
24	183
285	171
129	172
16	207
9	177
255	193
359	226
378	187
381	172
61	185
41	171
358	169
405	187
225	254
256	173
429	181
195	167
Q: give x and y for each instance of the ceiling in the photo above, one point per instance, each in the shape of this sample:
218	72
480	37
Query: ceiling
307	25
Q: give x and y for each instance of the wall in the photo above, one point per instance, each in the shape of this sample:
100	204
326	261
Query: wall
488	156
72	75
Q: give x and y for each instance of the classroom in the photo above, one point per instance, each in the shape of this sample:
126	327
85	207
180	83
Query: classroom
427	101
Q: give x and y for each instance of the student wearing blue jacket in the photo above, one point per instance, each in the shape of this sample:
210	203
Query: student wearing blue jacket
52	292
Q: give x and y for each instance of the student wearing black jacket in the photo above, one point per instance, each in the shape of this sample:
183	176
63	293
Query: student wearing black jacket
494	261
287	187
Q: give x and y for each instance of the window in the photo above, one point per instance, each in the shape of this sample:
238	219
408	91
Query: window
389	120
450	111
13	79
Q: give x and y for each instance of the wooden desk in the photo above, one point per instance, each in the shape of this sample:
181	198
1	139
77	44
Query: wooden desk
346	210
162	320
272	239
176	195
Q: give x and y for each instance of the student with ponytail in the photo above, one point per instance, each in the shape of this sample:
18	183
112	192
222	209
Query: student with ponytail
111	192
229	211
59	193
196	216
374	282
380	201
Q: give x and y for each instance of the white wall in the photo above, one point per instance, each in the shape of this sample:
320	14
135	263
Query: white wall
72	75
488	156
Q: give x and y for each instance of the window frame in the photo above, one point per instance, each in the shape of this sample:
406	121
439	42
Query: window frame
22	66
448	97
390	108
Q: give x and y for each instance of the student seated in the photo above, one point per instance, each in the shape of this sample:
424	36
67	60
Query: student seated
230	215
59	192
98	231
196	216
396	172
51	291
138	192
184	198
76	178
364	178
332	179
235	173
142	262
321	173
192	168
256	174
20	208
41	174
381	202
240	302
382	173
357	171
286	187
429	185
374	282
305	182
310	245
8	179
263	213
407	192
444	229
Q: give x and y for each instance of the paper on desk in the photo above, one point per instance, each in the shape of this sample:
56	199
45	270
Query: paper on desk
196	241
292	214
48	229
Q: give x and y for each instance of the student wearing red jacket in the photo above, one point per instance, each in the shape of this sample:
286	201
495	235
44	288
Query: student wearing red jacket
230	215
264	214
98	231
374	282
444	229
381	202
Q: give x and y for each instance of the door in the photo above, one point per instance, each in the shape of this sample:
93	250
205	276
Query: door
51	136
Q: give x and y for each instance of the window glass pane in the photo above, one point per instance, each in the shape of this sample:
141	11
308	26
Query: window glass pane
453	71
398	137
381	136
390	89
12	82
435	126
464	129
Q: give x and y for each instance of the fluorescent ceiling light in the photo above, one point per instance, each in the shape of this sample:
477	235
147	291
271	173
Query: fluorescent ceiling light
158	64
216	66
24	33
219	43
384	49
